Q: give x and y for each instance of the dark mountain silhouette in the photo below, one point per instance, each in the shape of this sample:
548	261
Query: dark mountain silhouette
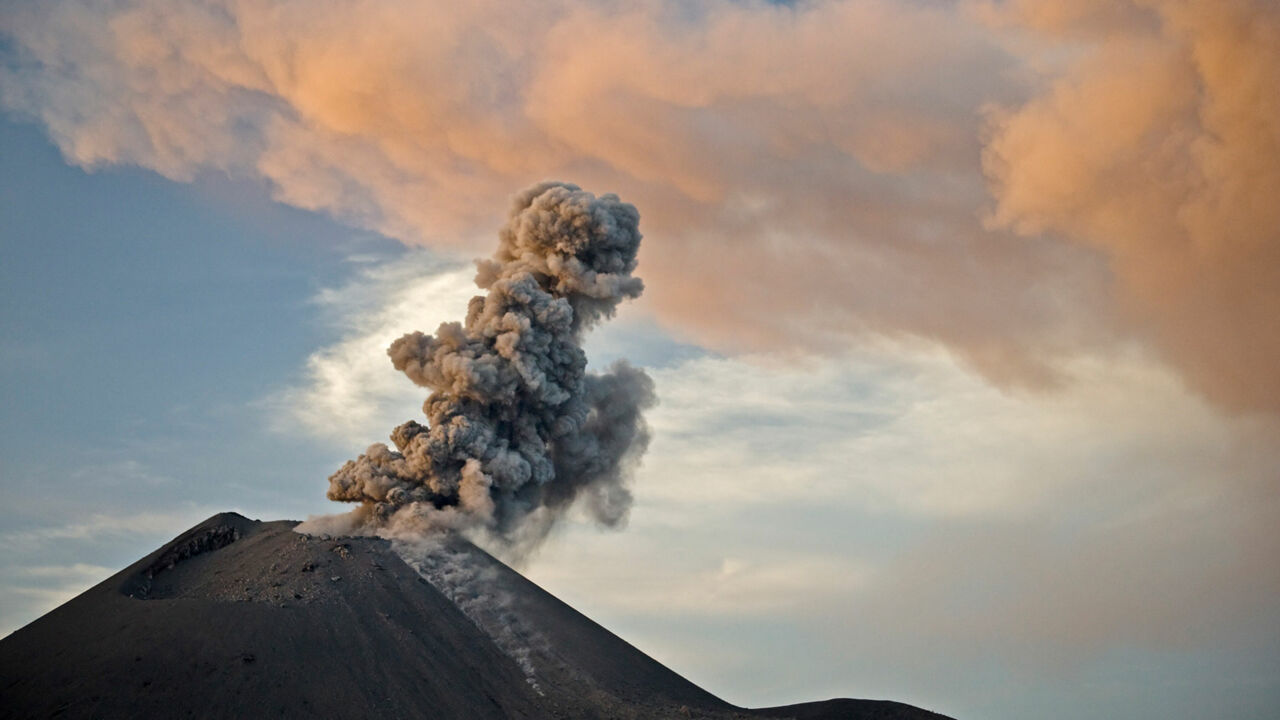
238	618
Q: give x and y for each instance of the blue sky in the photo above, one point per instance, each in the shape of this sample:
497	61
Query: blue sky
143	320
904	449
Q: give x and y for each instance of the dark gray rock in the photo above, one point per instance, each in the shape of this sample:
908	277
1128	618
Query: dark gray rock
239	618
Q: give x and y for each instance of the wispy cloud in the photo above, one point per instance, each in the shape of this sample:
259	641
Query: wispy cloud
98	525
891	504
31	591
44	565
349	391
905	429
78	572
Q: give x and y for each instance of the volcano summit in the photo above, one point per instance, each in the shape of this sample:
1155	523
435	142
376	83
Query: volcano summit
239	618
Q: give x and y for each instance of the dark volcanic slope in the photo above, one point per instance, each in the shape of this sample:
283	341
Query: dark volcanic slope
240	618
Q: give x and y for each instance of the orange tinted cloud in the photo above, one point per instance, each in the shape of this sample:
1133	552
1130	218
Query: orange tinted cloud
1161	148
804	173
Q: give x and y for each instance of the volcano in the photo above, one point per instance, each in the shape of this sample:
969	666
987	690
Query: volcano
239	618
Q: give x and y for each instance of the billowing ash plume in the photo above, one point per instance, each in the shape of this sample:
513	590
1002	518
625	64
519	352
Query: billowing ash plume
517	429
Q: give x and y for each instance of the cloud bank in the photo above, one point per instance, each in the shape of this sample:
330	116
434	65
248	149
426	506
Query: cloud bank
903	525
1160	146
1020	180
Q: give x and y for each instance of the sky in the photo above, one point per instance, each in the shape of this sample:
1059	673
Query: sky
960	315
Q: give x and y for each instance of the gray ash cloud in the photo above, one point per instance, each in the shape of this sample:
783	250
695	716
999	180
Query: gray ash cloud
517	429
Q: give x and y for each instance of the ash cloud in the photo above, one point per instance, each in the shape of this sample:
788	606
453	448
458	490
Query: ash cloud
517	429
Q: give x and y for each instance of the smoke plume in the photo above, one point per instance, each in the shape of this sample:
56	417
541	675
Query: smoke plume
517	429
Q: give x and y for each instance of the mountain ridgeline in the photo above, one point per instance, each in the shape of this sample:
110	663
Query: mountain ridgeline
239	618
